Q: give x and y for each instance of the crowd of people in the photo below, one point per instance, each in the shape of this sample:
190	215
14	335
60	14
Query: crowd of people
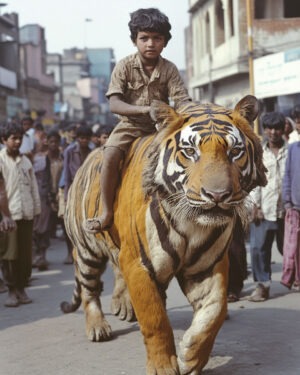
37	167
275	214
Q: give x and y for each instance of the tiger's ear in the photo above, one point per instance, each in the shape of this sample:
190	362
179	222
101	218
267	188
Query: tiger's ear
164	115
248	107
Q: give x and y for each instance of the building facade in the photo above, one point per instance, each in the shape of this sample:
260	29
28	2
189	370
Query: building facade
218	50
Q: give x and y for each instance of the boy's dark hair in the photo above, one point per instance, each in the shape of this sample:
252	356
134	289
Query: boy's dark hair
11	129
274	120
27	118
39	126
84	131
104	129
150	19
295	114
54	133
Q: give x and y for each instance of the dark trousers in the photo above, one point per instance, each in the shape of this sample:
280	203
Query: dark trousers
237	260
16	273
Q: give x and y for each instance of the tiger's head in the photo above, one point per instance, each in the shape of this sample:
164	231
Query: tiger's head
204	160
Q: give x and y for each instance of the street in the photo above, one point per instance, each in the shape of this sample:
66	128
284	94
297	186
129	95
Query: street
37	339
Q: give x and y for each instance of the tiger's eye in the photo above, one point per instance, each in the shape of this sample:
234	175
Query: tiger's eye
235	151
189	151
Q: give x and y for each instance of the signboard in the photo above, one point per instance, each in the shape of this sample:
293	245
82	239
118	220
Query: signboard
277	74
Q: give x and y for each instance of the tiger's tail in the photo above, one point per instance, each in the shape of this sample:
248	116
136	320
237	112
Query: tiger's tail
69	307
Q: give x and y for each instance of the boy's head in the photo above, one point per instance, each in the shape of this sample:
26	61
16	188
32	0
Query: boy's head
10	129
151	20
12	135
83	136
102	134
273	124
273	120
27	123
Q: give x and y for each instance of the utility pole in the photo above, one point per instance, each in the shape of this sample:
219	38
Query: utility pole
250	52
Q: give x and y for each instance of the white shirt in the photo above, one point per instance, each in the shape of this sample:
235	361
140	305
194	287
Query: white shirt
21	186
268	198
27	145
294	136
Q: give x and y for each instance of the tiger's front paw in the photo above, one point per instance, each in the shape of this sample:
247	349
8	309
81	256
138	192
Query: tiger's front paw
96	326
99	331
163	366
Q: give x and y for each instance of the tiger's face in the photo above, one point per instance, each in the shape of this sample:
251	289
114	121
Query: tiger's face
208	161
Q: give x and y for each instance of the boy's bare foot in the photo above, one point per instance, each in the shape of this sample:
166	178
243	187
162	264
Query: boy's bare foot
97	224
69	259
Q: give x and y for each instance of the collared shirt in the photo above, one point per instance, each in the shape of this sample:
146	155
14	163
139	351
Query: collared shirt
130	80
21	186
268	198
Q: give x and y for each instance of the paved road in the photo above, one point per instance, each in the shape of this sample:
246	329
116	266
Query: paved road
37	339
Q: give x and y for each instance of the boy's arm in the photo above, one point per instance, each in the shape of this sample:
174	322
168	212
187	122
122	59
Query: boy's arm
119	107
176	87
6	223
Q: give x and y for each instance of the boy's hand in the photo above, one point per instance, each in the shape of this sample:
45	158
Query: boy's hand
7	224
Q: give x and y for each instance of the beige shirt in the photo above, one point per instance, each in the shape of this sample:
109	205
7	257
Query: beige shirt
21	186
129	80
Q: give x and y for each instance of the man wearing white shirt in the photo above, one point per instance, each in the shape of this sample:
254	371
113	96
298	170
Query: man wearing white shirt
27	145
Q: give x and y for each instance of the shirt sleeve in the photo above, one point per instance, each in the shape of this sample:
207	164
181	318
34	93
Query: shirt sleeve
177	91
118	80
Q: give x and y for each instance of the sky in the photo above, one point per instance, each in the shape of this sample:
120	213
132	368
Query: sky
66	26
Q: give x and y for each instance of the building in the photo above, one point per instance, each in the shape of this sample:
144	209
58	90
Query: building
218	52
10	103
83	76
36	85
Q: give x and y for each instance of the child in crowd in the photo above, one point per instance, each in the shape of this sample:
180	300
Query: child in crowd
136	81
24	205
291	199
100	136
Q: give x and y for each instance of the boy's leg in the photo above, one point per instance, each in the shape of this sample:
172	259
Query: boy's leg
9	272
25	231
109	178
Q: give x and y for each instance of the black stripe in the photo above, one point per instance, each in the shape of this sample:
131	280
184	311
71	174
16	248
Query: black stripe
209	243
163	232
145	260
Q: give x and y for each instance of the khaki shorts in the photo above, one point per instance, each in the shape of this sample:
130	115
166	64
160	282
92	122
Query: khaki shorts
124	134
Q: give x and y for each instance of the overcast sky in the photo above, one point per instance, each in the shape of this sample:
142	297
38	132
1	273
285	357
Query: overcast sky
65	25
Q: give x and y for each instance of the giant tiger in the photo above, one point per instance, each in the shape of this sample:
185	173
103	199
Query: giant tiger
182	190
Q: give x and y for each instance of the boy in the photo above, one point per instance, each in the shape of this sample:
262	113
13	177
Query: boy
24	205
136	81
268	210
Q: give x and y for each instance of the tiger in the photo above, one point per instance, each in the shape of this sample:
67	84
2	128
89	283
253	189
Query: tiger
181	192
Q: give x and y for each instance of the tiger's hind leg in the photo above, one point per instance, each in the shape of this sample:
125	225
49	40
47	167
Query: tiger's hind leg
89	272
120	304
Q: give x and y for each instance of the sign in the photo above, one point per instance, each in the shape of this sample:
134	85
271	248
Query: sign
277	74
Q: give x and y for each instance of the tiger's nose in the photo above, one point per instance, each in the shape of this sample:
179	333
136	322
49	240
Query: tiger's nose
216	196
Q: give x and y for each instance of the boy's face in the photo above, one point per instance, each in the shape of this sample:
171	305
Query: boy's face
149	45
13	143
103	138
83	141
274	135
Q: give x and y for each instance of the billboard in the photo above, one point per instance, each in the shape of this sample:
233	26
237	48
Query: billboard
277	74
